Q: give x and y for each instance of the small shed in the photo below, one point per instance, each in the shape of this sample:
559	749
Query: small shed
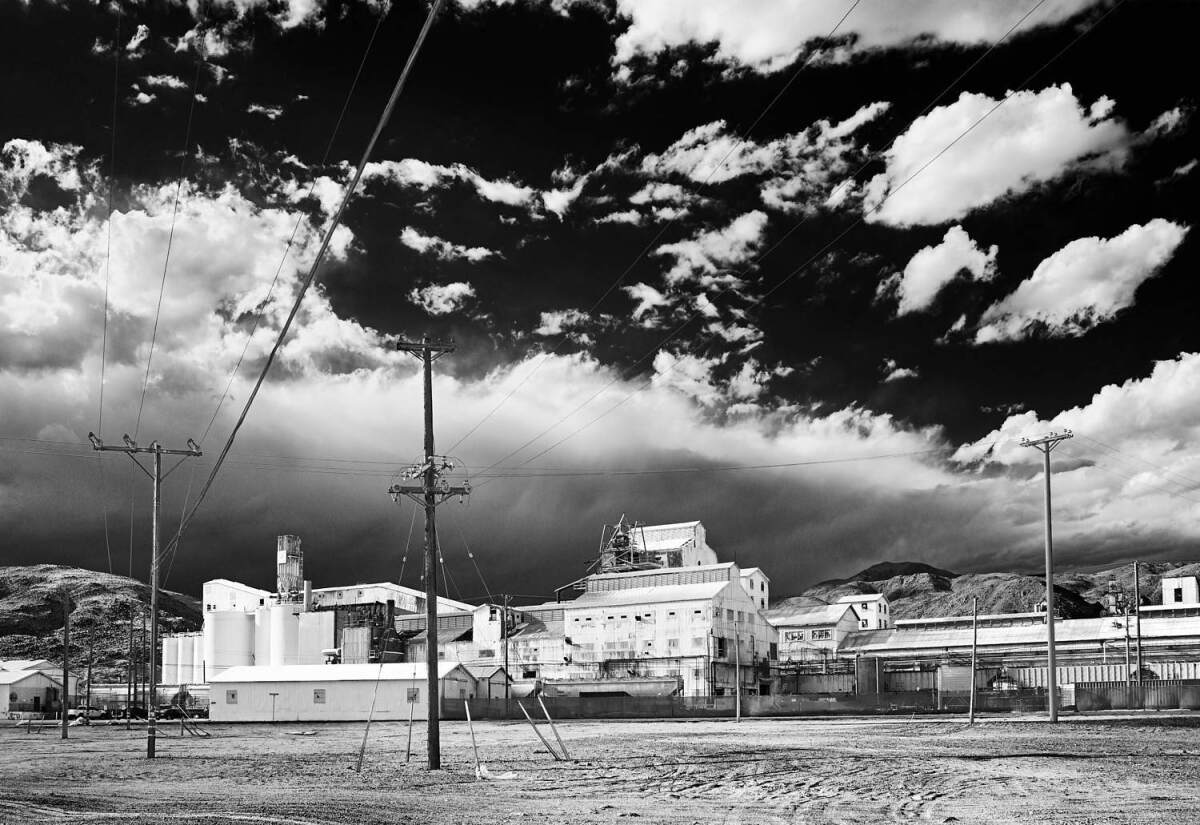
331	693
489	681
28	691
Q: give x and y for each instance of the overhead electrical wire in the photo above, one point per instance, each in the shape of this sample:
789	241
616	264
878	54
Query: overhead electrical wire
278	271
384	117
741	139
712	337
112	176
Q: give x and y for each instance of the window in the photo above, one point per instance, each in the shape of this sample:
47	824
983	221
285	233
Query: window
1178	595
318	696
623	616
697	612
728	615
231	697
529	674
672	644
863	622
762	586
414	695
866	605
762	603
794	636
824	633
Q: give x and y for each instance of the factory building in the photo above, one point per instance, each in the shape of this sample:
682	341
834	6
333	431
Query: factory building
293	625
812	633
872	609
659	607
332	693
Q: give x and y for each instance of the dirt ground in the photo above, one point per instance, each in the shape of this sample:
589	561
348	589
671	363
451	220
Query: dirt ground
1097	769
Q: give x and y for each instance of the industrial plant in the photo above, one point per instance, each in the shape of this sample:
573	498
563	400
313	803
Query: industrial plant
658	615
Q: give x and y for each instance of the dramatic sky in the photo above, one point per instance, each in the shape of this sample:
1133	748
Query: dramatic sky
880	242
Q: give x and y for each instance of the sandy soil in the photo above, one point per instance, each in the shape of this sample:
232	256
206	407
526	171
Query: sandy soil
1003	770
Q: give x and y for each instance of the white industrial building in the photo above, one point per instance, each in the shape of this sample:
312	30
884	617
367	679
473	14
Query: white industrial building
810	633
700	624
52	670
293	625
872	608
332	693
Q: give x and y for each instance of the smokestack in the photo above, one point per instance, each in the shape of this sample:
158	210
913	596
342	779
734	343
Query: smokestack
307	596
289	568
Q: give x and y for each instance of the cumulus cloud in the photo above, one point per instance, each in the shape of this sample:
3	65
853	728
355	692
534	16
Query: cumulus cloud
894	372
558	321
706	257
768	35
442	248
1127	476
442	299
164	81
139	37
1085	283
626	216
269	112
1032	138
422	175
933	267
647	298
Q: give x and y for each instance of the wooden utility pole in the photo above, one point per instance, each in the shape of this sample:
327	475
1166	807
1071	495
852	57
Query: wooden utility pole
431	492
1137	611
1045	446
131	449
974	644
504	637
91	650
66	676
737	674
129	674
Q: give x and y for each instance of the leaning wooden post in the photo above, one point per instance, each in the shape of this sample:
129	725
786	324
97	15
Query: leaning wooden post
471	727
974	644
554	728
529	719
408	750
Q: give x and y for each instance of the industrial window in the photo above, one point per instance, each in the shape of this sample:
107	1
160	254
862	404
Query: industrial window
866	606
762	603
414	695
670	612
623	616
762	586
864	623
231	697
672	643
318	696
528	674
728	615
822	634
697	612
1178	595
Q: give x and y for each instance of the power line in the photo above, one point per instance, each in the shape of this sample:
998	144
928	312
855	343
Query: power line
712	337
1191	483
658	235
312	273
299	222
112	177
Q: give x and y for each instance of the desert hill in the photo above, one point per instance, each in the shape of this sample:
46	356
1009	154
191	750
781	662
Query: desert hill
917	590
31	615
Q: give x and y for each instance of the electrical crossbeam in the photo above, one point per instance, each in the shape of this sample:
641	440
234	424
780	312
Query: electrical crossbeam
131	448
432	491
1045	445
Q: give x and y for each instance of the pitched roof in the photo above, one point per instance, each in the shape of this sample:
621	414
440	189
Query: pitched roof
647	595
28	664
11	677
863	597
331	673
795	616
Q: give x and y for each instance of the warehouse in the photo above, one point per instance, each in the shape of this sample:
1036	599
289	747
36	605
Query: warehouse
331	693
28	691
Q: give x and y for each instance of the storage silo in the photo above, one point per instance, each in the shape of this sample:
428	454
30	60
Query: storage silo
198	674
228	640
184	658
285	634
170	661
262	636
316	636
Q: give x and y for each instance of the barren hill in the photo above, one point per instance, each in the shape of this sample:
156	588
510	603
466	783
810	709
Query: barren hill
918	591
31	615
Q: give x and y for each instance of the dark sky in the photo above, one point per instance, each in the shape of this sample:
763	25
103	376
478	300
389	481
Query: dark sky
665	237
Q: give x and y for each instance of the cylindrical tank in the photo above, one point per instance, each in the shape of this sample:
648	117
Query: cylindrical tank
198	675
262	636
285	634
170	661
228	640
184	655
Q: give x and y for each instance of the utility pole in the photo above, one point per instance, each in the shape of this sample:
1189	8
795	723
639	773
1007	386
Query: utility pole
504	637
974	643
91	650
129	674
1137	611
431	492
131	449
66	680
1045	446
737	673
